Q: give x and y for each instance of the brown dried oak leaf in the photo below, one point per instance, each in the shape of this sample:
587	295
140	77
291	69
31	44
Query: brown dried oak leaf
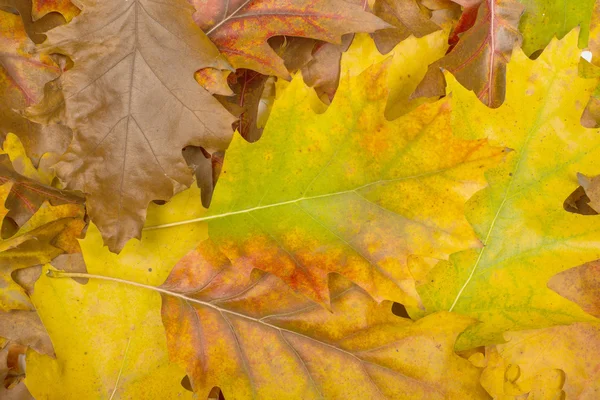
478	61
241	28
133	105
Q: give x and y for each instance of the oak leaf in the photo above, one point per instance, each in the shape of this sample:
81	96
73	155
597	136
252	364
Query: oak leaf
407	18
528	237
358	195
252	336
581	285
478	60
240	28
12	386
551	363
23	78
133	104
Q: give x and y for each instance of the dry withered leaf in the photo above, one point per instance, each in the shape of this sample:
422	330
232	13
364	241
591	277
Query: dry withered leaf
12	371
478	61
254	337
25	328
24	78
133	105
407	18
241	28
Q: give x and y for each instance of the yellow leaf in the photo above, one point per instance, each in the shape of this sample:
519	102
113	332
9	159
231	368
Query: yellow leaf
527	234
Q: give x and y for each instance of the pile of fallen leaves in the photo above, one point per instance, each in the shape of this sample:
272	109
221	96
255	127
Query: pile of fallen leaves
297	199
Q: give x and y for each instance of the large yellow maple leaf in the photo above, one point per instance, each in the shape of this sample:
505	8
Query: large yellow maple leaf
527	235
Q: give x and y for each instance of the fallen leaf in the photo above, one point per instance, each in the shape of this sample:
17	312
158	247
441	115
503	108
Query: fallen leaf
64	7
406	17
35	27
528	237
478	61
28	193
554	362
133	104
25	328
240	28
11	372
591	185
545	19
252	336
581	285
347	191
23	77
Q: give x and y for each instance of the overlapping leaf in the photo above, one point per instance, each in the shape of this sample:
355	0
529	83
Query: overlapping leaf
478	61
528	236
253	337
552	363
133	104
23	77
347	191
240	28
581	285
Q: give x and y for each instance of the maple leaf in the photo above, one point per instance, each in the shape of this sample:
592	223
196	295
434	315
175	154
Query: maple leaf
133	104
407	18
23	78
556	362
528	237
478	60
240	28
252	336
356	201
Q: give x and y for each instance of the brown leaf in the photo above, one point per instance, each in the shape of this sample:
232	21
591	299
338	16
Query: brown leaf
24	79
25	328
591	185
12	372
207	168
407	18
580	285
27	195
478	61
241	28
133	105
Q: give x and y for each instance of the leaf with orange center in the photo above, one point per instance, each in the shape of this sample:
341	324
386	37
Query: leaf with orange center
241	28
254	337
347	191
23	77
478	61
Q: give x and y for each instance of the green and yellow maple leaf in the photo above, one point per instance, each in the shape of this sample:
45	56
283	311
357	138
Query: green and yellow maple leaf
528	236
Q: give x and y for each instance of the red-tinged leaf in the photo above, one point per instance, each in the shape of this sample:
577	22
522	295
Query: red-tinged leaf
24	77
65	7
406	17
478	61
241	28
254	337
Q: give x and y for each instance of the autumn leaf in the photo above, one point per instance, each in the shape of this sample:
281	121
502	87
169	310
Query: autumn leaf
478	61
252	336
545	19
23	77
36	242
356	201
528	237
12	372
133	105
581	285
240	28
25	328
406	17
550	363
41	8
123	347
29	192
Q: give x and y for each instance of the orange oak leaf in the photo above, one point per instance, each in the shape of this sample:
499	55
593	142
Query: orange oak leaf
133	104
241	28
41	8
254	337
478	60
406	17
23	78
